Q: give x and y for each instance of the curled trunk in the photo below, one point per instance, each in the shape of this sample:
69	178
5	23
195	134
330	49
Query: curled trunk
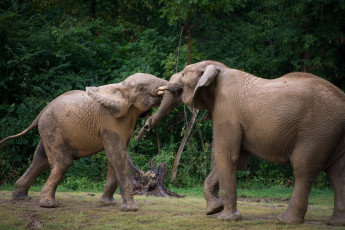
171	99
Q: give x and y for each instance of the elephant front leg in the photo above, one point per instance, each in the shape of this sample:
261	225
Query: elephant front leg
110	187
116	151
126	187
211	186
227	144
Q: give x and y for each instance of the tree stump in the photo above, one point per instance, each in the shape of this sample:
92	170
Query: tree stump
150	183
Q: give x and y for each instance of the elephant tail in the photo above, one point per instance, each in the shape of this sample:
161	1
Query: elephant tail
34	124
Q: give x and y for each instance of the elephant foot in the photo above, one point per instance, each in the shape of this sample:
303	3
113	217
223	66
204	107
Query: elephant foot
48	203
129	207
214	206
336	220
107	200
232	216
20	195
290	218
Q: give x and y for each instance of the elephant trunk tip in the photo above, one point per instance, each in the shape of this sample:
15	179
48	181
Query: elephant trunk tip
141	134
145	129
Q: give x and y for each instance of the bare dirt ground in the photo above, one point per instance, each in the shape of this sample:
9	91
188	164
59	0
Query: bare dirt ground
83	211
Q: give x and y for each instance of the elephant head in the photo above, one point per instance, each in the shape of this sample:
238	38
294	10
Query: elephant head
138	91
198	80
187	84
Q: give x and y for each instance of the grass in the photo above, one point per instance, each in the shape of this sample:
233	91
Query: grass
81	210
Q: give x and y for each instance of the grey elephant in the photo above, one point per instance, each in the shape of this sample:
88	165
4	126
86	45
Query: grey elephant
82	123
297	119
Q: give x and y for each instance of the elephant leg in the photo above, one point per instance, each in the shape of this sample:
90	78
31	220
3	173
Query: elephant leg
110	187
211	187
305	173
60	157
298	203
39	164
227	145
116	151
48	191
336	172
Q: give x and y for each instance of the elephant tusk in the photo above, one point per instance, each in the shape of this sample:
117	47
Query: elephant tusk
160	92
163	88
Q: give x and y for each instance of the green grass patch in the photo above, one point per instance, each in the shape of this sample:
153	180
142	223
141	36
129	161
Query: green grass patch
81	210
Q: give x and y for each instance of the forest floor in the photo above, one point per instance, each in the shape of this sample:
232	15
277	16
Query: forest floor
81	210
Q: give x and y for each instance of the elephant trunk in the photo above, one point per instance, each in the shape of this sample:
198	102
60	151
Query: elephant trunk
168	104
171	99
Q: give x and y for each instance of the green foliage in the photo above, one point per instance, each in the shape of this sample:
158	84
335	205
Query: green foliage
50	47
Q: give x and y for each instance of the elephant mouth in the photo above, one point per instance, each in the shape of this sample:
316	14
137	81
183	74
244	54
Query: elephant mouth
146	114
187	100
156	100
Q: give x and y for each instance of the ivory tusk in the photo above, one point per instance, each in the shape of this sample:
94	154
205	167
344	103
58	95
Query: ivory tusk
163	88
160	92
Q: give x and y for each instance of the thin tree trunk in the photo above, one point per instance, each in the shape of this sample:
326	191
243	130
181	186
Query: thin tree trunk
93	9
183	142
203	146
158	144
178	48
189	30
304	66
189	52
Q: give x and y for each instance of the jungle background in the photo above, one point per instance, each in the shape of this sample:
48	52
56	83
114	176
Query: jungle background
53	46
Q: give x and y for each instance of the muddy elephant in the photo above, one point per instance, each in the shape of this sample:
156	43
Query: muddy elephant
297	119
82	123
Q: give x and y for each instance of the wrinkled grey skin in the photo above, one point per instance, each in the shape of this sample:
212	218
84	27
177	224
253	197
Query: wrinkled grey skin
297	119
82	123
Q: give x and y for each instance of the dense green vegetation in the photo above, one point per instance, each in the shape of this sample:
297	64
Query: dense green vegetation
50	47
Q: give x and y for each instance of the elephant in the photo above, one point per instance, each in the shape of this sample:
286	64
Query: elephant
297	119
82	123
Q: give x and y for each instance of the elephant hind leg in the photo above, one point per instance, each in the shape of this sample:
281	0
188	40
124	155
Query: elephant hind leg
60	158
336	173
48	191
39	164
110	187
298	203
305	172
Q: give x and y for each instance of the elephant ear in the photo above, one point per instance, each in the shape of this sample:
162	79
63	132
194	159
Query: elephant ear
209	75
112	97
